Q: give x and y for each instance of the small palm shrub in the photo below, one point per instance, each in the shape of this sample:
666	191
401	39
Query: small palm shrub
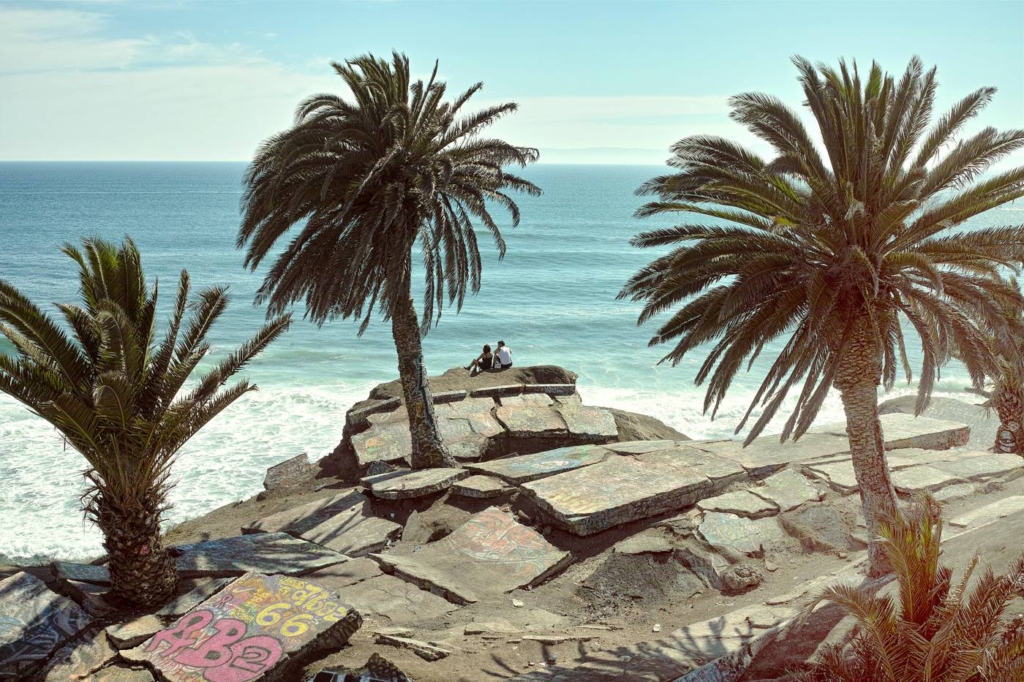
933	630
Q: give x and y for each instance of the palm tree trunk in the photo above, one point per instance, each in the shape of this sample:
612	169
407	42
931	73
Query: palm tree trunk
142	573
857	381
1009	403
428	449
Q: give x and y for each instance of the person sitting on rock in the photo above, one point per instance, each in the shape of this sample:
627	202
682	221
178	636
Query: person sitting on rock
504	355
484	362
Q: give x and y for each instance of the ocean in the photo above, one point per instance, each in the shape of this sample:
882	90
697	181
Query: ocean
552	300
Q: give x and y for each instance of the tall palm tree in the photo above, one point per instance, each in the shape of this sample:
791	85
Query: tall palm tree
115	393
1007	396
836	255
368	179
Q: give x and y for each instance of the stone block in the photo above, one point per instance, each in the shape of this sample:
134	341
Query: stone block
344	523
497	391
427	652
819	528
35	622
274	553
401	485
120	673
80	659
487	556
134	632
906	431
358	418
766	455
649	541
527	400
742	503
449	397
480	487
92	598
788	490
710	566
344	575
839	476
465	408
525	468
640	447
984	466
732	533
83	573
551	389
395	599
289	473
257	628
385	443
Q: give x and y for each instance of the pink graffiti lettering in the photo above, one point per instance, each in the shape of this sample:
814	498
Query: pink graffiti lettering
251	657
214	651
181	635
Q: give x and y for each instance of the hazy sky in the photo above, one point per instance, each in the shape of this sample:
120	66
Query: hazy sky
597	82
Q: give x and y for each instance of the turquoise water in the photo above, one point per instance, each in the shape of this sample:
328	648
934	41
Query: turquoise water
552	300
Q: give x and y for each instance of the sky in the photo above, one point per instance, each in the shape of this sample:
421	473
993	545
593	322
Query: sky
596	82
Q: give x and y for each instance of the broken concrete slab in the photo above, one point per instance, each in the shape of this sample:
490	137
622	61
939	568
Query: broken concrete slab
710	566
80	659
906	431
344	523
524	420
289	473
527	399
258	627
340	576
497	391
34	623
788	490
649	541
923	478
721	471
274	553
387	443
489	555
982	421
525	468
83	573
766	455
395	599
134	632
990	512
551	389
742	503
618	490
838	475
402	485
427	652
449	397
92	598
984	466
120	673
955	492
589	423
734	533
480	487
819	528
640	447
184	603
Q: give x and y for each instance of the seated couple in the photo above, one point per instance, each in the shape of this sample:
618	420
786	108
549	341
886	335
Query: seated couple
499	359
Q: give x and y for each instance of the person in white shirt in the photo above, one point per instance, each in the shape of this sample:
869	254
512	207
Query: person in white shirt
503	355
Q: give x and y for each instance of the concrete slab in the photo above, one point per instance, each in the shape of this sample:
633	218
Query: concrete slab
487	556
527	399
258	627
923	478
590	423
83	573
839	475
618	490
34	623
906	431
788	490
650	541
497	391
395	600
766	455
80	659
386	443
956	492
741	503
92	598
990	512
401	485
551	389
344	575
525	468
985	466
523	420
344	523
640	447
746	536
721	471
480	487
289	473
274	553
819	528
982	421
181	605
464	409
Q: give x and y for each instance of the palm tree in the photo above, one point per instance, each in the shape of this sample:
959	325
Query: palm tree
367	180
836	256
933	630
1007	396
115	393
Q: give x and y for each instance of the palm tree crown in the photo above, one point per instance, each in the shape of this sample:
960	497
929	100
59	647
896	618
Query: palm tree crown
372	177
837	249
117	394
